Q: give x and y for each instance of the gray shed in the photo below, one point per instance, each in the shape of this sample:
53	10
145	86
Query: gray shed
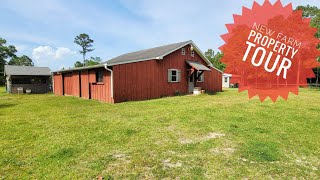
28	78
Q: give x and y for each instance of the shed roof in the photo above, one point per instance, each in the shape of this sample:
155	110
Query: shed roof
198	66
147	54
26	70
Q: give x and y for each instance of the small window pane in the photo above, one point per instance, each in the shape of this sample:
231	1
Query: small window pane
200	79
174	75
225	79
183	51
192	53
174	78
99	76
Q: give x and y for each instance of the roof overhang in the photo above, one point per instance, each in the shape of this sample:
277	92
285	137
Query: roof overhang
28	74
198	66
80	68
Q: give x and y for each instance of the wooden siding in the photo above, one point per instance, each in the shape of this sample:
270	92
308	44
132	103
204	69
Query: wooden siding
84	79
149	79
83	84
57	84
212	81
100	91
71	84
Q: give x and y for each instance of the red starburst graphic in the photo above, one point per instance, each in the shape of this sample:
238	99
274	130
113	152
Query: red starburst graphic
271	49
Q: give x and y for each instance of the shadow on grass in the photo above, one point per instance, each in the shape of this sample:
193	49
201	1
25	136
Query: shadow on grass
261	151
7	105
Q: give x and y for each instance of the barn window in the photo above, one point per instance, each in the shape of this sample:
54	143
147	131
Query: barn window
225	79
99	76
174	75
201	78
192	53
183	51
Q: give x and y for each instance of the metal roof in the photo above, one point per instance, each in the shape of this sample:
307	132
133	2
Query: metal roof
198	66
147	54
26	70
80	68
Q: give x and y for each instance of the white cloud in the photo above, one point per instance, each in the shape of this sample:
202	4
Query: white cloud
62	52
43	51
52	57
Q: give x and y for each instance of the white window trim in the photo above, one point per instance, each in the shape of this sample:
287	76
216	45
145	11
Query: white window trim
202	77
183	51
178	75
192	53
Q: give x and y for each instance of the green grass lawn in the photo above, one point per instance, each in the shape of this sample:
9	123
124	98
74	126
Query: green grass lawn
203	137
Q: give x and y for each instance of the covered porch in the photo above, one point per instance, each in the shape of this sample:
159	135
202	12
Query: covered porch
32	84
195	75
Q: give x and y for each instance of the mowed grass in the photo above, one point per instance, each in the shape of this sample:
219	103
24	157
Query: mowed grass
189	137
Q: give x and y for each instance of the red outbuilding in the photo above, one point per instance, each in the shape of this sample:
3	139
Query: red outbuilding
152	73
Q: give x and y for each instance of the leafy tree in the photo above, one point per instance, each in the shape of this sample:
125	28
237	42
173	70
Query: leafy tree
93	61
21	61
314	13
78	64
215	59
85	42
6	52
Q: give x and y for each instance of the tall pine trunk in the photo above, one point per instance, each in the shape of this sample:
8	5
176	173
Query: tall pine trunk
84	57
84	61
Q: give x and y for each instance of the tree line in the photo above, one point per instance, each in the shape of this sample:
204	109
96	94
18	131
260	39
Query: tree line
313	12
8	56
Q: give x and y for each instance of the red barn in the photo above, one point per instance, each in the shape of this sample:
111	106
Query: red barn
147	74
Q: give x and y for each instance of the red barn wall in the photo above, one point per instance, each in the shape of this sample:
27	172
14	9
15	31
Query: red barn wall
71	84
84	81
100	91
83	84
57	84
212	81
149	79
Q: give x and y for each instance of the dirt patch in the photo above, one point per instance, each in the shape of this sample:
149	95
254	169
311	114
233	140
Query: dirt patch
122	157
119	156
168	164
211	135
223	151
186	141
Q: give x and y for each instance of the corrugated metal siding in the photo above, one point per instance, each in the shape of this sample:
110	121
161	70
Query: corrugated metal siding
57	80
149	79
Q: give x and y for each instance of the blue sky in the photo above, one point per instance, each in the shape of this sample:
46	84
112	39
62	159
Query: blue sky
45	30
